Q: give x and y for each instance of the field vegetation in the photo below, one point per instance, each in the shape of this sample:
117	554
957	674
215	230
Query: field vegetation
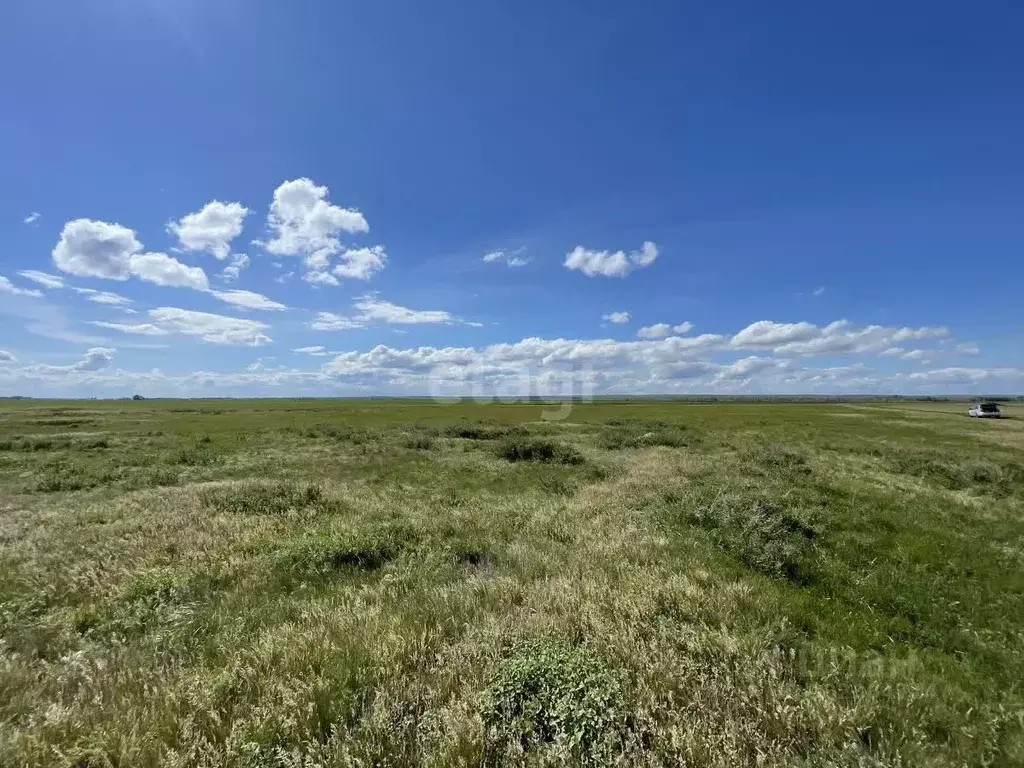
305	583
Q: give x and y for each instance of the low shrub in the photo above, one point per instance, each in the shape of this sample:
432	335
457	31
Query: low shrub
762	533
266	499
550	695
470	431
150	477
621	434
419	443
34	444
338	433
319	556
999	478
524	449
775	457
199	455
62	475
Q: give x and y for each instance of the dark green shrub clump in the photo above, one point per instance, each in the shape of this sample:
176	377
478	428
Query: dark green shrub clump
550	694
199	455
341	434
524	449
777	458
763	534
320	556
470	431
419	443
999	478
634	433
266	499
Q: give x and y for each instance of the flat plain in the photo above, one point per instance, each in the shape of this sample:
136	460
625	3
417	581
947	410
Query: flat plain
332	583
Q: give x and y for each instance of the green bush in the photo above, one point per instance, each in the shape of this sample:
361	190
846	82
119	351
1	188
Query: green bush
470	431
550	694
525	449
266	499
319	556
634	433
340	434
762	533
999	478
62	475
419	443
775	457
199	455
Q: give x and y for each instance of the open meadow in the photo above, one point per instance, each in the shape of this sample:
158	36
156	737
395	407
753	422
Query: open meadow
333	583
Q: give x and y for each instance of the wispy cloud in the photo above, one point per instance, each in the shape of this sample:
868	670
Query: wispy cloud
511	259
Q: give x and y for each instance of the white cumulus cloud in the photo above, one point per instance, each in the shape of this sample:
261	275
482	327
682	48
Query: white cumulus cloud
837	338
766	334
610	263
32	218
361	263
303	223
371	309
617	318
94	359
166	270
656	331
210	229
90	248
661	330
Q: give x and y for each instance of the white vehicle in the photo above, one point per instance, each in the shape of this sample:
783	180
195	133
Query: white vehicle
984	411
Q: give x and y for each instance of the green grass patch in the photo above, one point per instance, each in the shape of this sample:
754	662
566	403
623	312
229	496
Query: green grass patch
337	582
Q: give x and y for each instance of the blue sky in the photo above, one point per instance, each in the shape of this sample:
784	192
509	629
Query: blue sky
489	198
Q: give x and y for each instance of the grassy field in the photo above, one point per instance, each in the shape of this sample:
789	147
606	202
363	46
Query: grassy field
328	583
